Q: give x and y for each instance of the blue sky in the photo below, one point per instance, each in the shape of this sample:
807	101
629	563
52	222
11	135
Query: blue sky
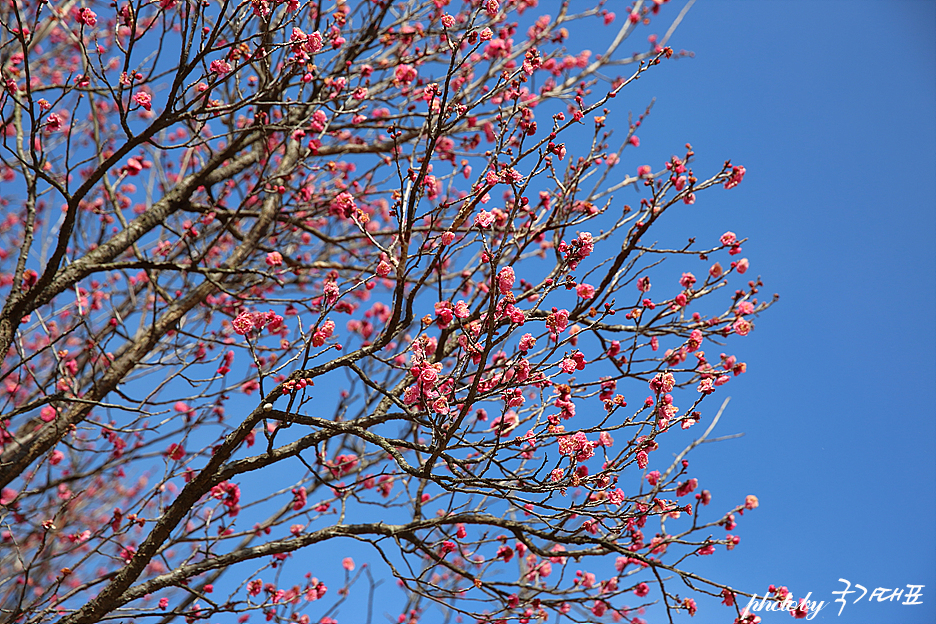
831	107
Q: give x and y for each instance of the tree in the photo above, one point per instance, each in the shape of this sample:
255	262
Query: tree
276	274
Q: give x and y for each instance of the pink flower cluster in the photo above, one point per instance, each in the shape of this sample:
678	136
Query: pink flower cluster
427	389
323	333
577	446
579	249
573	363
404	74
557	322
87	17
303	44
737	174
220	67
229	495
445	312
663	382
247	321
343	205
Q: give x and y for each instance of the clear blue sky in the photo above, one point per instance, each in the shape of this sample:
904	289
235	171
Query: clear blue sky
831	107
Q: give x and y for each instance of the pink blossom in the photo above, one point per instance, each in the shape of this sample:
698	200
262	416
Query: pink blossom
690	606
144	99
8	495
428	375
635	141
642	590
585	291
343	205
716	271
742	265
134	166
447	547
737	174
687	487
175	451
254	587
728	239
491	7
274	258
801	611
404	74
642	459
220	67
663	382
558	150
484	219
751	502
314	42
527	342
299	498
742	327
383	268
577	445
448	21
331	292
347	563
87	17
505	279
557	322
47	413
53	122
643	170
486	34
643	284
243	323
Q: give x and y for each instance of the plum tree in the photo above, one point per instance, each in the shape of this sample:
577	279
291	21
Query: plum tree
281	273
